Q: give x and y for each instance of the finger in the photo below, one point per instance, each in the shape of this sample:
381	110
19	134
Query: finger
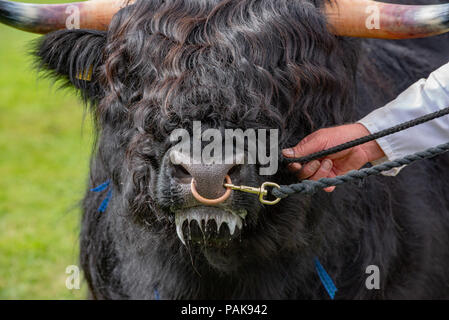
288	153
324	171
331	189
309	170
310	144
295	168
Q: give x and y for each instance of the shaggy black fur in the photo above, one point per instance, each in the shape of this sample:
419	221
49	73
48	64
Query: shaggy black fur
249	64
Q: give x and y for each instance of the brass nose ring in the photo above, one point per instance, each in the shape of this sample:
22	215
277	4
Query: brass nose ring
206	201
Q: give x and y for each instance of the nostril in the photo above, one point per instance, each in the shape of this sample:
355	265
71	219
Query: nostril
181	174
234	170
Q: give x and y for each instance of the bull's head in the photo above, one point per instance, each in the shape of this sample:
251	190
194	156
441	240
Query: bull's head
155	66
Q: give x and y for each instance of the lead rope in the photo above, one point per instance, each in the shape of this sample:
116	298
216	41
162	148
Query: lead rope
310	187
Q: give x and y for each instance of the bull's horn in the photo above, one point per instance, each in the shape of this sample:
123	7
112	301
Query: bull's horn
373	19
44	18
352	18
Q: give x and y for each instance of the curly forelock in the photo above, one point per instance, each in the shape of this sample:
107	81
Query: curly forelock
247	63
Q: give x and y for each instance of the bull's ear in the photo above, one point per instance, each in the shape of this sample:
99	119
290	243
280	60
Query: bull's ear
73	57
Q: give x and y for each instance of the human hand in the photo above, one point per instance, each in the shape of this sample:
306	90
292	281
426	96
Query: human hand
335	164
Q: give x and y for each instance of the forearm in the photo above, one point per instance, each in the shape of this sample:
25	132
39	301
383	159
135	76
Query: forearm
424	97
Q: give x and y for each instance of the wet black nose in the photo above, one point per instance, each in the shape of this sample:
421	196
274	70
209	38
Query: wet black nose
209	178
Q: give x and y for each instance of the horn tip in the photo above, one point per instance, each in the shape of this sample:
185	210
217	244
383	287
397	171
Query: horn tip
17	15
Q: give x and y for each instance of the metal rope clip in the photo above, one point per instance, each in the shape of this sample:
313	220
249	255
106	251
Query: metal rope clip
262	191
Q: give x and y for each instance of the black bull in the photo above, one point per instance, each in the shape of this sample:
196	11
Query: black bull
153	73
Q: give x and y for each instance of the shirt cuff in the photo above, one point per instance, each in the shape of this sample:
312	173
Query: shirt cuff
386	148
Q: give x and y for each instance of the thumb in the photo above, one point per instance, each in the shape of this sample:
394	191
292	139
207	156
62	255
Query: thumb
308	145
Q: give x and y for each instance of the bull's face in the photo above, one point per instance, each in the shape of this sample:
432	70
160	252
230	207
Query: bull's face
165	72
158	70
161	66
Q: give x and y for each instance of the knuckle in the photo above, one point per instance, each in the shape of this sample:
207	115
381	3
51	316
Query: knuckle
299	148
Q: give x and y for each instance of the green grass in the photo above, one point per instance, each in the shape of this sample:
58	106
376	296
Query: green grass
44	151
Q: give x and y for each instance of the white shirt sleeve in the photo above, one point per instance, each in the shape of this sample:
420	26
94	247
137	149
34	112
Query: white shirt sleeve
422	98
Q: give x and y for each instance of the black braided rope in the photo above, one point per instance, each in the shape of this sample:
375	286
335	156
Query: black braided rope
311	187
371	137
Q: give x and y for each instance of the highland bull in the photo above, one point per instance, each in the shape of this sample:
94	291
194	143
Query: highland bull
150	67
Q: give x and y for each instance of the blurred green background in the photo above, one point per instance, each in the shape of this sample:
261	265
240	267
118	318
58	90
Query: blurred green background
45	141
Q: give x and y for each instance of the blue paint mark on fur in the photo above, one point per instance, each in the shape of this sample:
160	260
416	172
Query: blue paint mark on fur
325	279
